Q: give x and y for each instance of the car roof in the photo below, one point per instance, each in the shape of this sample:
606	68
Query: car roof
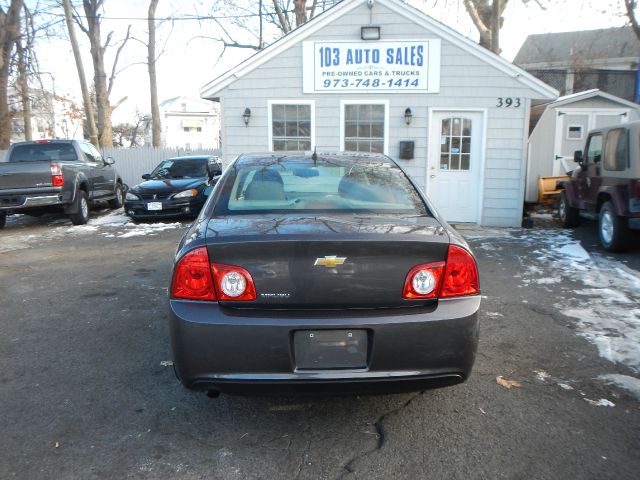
192	157
268	158
632	126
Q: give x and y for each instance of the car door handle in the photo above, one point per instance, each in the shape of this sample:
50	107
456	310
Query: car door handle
432	176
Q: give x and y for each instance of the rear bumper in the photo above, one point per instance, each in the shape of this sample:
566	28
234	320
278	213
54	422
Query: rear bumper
253	352
21	202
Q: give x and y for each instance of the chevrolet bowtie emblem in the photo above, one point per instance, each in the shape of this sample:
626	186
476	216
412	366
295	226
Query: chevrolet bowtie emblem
330	261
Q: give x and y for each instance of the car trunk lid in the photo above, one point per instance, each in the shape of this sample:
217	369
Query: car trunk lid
303	262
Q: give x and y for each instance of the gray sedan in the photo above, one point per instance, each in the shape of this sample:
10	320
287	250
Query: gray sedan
327	273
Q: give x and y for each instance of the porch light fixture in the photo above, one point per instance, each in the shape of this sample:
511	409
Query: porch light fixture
408	116
370	32
246	116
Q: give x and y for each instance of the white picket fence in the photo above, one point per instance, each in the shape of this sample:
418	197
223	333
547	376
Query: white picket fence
132	163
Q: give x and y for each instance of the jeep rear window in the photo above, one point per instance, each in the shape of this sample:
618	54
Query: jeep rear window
37	152
325	186
616	150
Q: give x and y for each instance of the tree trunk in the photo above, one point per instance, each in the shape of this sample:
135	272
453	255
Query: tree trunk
9	32
86	97
631	6
105	132
300	7
23	85
153	80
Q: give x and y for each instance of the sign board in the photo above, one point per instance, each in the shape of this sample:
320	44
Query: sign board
398	66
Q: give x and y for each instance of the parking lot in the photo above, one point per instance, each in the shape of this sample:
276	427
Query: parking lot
87	388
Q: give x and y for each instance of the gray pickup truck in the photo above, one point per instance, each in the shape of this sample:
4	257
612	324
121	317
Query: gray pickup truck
57	175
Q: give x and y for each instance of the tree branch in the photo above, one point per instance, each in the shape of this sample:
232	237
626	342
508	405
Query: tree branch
115	61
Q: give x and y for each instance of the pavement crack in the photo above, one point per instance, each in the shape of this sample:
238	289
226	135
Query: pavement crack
348	466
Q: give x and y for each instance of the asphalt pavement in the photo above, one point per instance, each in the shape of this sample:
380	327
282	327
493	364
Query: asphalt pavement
87	389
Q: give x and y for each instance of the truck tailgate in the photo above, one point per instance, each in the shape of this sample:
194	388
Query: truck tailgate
25	175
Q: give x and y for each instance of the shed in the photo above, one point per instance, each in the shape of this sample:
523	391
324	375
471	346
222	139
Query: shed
562	127
382	76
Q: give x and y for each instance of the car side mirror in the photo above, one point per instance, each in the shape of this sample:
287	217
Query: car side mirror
109	161
146	176
577	156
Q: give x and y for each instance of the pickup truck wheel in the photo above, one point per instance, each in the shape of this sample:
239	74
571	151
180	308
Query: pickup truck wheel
118	201
568	215
612	229
3	220
81	204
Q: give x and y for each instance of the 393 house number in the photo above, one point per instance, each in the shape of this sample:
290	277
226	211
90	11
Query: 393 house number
508	102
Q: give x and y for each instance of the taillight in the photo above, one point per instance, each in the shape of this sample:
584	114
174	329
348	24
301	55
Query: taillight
192	278
460	275
456	277
423	281
57	180
233	283
195	278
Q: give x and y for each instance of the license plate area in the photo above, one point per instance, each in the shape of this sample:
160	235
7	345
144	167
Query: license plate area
330	349
154	206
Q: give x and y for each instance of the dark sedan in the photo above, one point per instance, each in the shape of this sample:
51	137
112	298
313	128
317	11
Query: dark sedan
328	273
177	187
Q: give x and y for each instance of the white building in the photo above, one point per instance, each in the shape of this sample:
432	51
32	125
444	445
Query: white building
189	123
52	116
380	75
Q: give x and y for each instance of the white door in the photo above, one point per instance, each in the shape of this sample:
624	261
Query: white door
572	131
455	165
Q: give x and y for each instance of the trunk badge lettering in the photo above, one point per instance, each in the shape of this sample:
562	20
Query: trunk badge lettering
330	261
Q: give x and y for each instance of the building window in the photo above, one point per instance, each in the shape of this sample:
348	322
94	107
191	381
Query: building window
455	144
364	127
187	129
291	127
574	132
198	129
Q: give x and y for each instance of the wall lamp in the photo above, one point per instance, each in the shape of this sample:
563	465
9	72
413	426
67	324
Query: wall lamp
246	116
370	32
408	116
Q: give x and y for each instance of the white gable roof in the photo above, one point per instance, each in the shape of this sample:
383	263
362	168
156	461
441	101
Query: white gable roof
211	89
594	92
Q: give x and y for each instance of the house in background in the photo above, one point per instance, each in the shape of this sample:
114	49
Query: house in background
606	59
189	123
52	116
562	128
384	77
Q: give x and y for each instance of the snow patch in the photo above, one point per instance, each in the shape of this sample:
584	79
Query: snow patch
603	402
565	386
630	384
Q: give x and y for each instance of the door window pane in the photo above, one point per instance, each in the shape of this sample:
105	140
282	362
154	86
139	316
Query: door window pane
291	127
594	150
455	144
364	128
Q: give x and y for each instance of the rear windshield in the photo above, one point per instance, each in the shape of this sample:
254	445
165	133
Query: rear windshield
36	152
195	168
327	185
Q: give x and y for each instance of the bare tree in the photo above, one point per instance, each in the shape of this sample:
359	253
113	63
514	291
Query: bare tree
24	51
631	9
9	33
102	84
86	97
486	15
248	16
153	79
